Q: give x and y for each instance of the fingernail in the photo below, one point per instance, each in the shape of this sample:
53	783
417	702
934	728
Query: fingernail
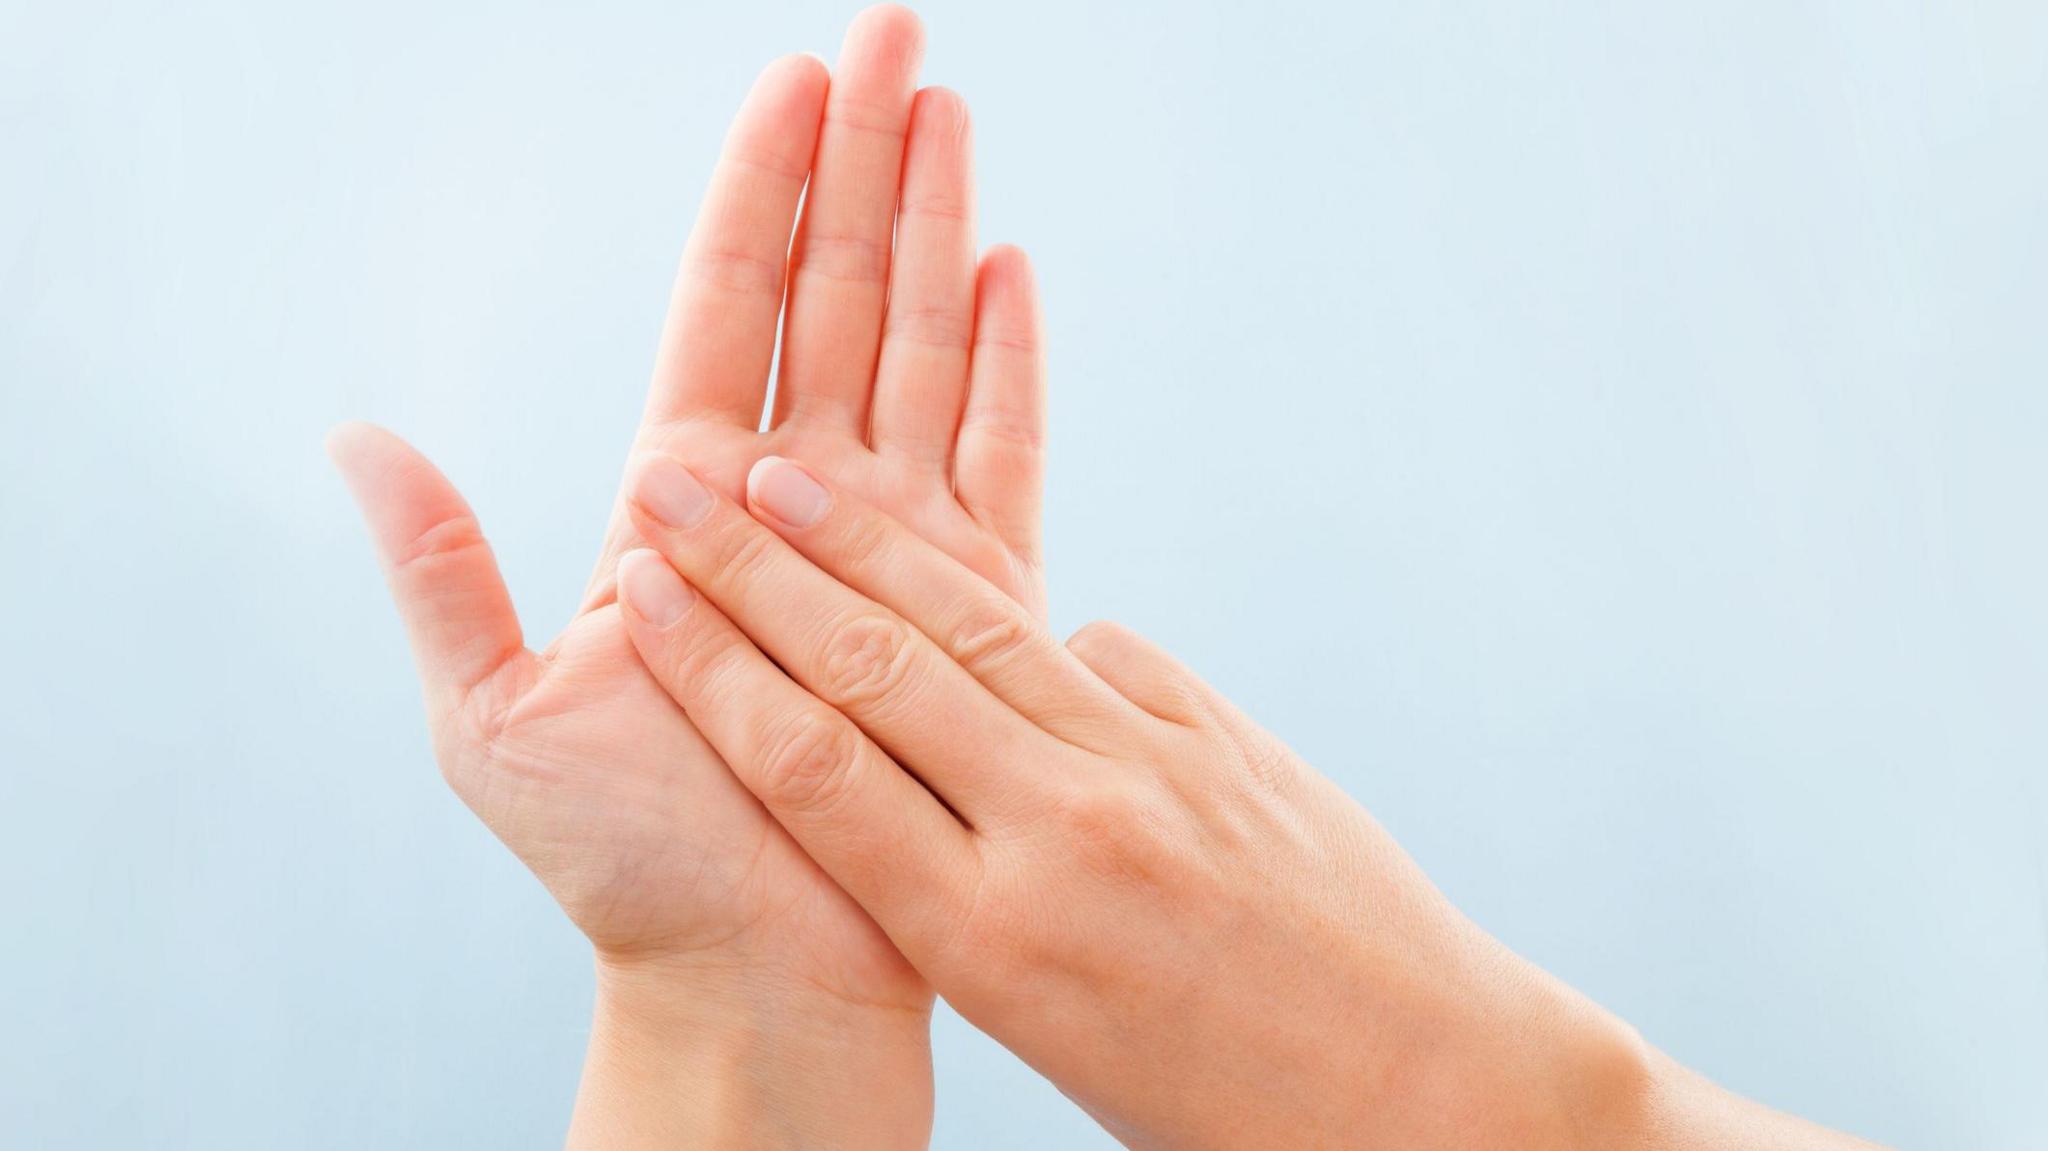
652	588
671	494
787	492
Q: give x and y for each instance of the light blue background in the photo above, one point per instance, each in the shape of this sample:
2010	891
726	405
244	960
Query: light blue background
1608	439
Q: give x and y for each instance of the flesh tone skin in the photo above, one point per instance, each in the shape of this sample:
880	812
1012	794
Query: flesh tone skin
1137	889
743	998
1102	863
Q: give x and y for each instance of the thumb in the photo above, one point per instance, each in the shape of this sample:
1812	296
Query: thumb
457	612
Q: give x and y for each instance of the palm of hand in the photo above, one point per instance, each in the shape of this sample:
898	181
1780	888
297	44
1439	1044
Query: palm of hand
581	747
914	380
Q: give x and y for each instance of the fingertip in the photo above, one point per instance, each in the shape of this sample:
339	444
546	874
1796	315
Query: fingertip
349	442
804	72
754	477
891	20
1007	266
666	494
637	557
441	571
940	109
787	492
650	589
1006	300
891	32
386	475
942	132
1100	634
790	91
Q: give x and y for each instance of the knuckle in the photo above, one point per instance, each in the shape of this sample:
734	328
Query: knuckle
1267	764
741	556
1100	810
866	117
846	258
941	208
865	543
865	661
708	673
1114	832
1013	434
940	115
950	329
1142	674
454	536
805	763
1000	336
770	156
990	633
736	271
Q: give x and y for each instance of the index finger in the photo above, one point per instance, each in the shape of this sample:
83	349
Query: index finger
856	655
859	816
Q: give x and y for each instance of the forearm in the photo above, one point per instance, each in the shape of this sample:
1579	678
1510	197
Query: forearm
675	1064
1683	1111
1517	1058
1622	1094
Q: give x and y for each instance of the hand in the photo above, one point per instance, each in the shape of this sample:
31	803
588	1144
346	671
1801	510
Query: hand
910	375
1101	862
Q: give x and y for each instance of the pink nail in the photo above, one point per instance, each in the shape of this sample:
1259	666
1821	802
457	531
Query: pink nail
787	492
671	494
652	589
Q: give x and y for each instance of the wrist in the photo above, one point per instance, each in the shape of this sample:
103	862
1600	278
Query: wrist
1609	1084
1680	1110
702	1054
1560	1074
1636	1098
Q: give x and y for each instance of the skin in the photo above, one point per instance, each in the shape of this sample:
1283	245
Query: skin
743	998
1102	863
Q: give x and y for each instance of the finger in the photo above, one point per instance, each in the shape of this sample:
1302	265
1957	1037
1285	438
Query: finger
719	338
921	380
839	266
999	461
870	825
457	612
986	632
1142	672
845	649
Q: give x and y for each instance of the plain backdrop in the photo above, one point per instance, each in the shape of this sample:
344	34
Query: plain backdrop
1607	438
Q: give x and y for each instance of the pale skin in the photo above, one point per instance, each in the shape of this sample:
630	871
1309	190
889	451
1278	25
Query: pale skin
1102	863
852	765
743	998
